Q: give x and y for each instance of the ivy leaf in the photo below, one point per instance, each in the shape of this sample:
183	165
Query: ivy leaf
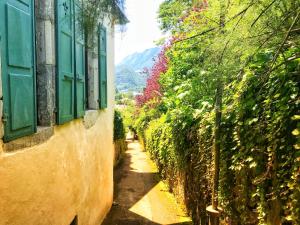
296	117
277	96
293	96
253	164
254	120
296	132
249	159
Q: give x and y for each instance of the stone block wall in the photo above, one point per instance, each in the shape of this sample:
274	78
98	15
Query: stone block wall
45	61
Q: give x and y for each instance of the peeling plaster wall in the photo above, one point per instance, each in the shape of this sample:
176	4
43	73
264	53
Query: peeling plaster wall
70	174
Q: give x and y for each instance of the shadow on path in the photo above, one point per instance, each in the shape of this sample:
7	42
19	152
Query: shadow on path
140	197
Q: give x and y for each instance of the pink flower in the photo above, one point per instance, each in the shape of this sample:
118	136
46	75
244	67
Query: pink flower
152	89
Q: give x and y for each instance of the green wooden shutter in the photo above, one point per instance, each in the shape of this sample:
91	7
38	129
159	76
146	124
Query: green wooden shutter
79	65
18	74
65	61
102	68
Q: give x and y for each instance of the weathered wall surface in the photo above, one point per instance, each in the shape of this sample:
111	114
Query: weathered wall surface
70	174
45	61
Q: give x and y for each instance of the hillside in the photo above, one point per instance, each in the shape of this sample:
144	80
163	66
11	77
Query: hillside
140	60
129	80
129	76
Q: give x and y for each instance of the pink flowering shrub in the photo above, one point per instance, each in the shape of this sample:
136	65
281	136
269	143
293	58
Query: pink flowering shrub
152	89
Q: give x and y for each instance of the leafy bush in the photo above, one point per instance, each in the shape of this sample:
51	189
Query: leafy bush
260	151
119	130
254	55
260	140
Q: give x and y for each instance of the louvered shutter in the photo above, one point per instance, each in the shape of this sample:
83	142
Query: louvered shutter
102	68
17	67
79	65
65	61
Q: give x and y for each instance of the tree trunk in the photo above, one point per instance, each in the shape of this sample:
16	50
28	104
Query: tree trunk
217	142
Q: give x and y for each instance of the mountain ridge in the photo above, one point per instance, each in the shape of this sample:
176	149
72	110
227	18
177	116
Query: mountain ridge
129	72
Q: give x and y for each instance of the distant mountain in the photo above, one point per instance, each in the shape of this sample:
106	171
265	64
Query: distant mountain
129	76
129	80
140	60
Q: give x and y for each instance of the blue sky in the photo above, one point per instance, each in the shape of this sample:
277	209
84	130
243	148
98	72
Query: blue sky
142	30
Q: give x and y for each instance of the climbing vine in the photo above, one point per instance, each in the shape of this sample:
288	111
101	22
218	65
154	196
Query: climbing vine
255	53
91	12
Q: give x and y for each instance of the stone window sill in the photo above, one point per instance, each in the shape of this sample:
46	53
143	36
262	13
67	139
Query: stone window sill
42	135
45	133
90	118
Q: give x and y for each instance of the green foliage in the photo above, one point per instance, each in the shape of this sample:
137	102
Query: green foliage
159	142
145	115
125	104
258	125
256	56
170	12
119	130
91	12
124	98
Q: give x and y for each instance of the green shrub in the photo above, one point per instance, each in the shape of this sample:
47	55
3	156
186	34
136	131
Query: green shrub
119	131
259	147
255	56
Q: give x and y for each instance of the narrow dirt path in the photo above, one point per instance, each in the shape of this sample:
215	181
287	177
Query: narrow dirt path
140	197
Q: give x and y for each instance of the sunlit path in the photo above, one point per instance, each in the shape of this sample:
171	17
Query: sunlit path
140	196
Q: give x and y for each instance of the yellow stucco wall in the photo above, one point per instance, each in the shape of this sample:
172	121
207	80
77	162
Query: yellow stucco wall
70	174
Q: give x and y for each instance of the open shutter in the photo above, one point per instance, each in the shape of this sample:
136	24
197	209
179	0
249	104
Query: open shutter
18	74
102	68
65	61
79	65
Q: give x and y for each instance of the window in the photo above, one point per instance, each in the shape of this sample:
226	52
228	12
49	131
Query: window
70	63
30	94
102	60
18	68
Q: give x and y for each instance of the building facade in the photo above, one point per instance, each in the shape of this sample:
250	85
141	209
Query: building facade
56	105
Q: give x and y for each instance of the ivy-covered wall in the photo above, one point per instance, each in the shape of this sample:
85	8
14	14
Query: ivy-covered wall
260	155
239	57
